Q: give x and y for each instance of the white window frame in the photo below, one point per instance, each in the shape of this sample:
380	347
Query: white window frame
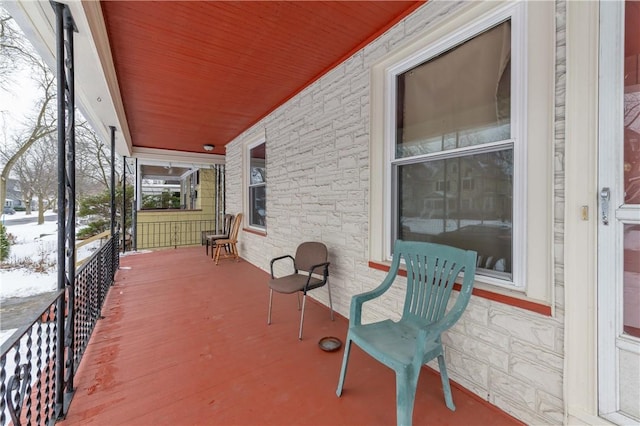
517	141
247	179
531	120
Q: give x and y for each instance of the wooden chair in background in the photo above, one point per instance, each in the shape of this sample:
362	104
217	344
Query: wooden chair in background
228	245
226	227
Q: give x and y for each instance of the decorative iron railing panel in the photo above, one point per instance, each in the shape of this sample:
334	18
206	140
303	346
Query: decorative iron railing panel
174	233
28	378
93	280
27	369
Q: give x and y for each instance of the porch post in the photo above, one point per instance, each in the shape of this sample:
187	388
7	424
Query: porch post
61	205
71	194
134	210
113	180
65	28
124	204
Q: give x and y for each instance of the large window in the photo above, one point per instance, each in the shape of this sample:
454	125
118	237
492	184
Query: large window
462	143
257	186
453	162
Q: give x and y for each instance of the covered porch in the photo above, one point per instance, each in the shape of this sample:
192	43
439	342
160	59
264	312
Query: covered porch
184	341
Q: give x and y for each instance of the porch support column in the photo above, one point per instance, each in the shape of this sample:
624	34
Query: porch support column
134	210
113	180
65	27
124	204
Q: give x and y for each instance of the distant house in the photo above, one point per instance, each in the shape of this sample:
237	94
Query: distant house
14	194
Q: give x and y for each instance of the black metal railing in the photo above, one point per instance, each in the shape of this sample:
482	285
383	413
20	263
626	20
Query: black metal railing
28	359
93	280
27	370
174	233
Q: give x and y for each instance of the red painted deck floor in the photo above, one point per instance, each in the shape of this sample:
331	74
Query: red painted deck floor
185	342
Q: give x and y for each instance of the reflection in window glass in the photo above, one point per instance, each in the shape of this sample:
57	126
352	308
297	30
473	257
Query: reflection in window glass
465	202
631	272
631	106
460	98
258	186
631	280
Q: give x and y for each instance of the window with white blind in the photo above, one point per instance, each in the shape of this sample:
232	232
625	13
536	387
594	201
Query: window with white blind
462	143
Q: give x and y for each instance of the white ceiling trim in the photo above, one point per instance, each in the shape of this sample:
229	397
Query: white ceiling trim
154	156
93	92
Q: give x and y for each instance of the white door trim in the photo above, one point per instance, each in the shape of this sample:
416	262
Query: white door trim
580	233
609	176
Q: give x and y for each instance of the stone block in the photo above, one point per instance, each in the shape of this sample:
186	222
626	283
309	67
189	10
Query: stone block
536	355
518	390
533	329
467	366
537	375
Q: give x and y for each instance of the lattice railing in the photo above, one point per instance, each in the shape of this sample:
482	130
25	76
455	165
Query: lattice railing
27	370
29	384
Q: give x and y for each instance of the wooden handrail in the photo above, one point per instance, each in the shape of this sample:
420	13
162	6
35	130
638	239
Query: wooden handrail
105	234
89	240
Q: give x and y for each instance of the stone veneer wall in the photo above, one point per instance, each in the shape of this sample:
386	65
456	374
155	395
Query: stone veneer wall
318	189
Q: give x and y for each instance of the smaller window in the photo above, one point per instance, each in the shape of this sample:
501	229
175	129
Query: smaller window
258	186
168	186
468	184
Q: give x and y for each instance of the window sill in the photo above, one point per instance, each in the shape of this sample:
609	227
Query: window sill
516	302
255	231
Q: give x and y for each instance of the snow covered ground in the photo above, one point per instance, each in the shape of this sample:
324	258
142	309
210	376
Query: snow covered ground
32	265
36	249
33	244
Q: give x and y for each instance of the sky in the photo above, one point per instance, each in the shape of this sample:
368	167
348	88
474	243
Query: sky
16	103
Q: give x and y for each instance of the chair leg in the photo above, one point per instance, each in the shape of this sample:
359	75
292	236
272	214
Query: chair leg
270	299
406	383
217	254
304	299
207	244
345	362
446	387
330	302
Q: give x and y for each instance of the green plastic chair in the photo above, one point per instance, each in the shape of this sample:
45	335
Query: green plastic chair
415	339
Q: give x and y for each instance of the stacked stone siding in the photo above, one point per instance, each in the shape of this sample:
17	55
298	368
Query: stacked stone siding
318	189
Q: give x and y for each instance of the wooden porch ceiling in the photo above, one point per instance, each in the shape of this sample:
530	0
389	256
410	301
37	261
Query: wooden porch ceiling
189	344
201	72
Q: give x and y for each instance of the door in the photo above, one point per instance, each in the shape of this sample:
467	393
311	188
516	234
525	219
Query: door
619	215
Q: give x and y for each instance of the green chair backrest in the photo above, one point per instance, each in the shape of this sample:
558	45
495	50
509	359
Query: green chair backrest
432	270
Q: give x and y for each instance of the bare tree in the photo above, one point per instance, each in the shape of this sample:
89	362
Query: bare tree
93	162
37	127
93	157
15	52
37	178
